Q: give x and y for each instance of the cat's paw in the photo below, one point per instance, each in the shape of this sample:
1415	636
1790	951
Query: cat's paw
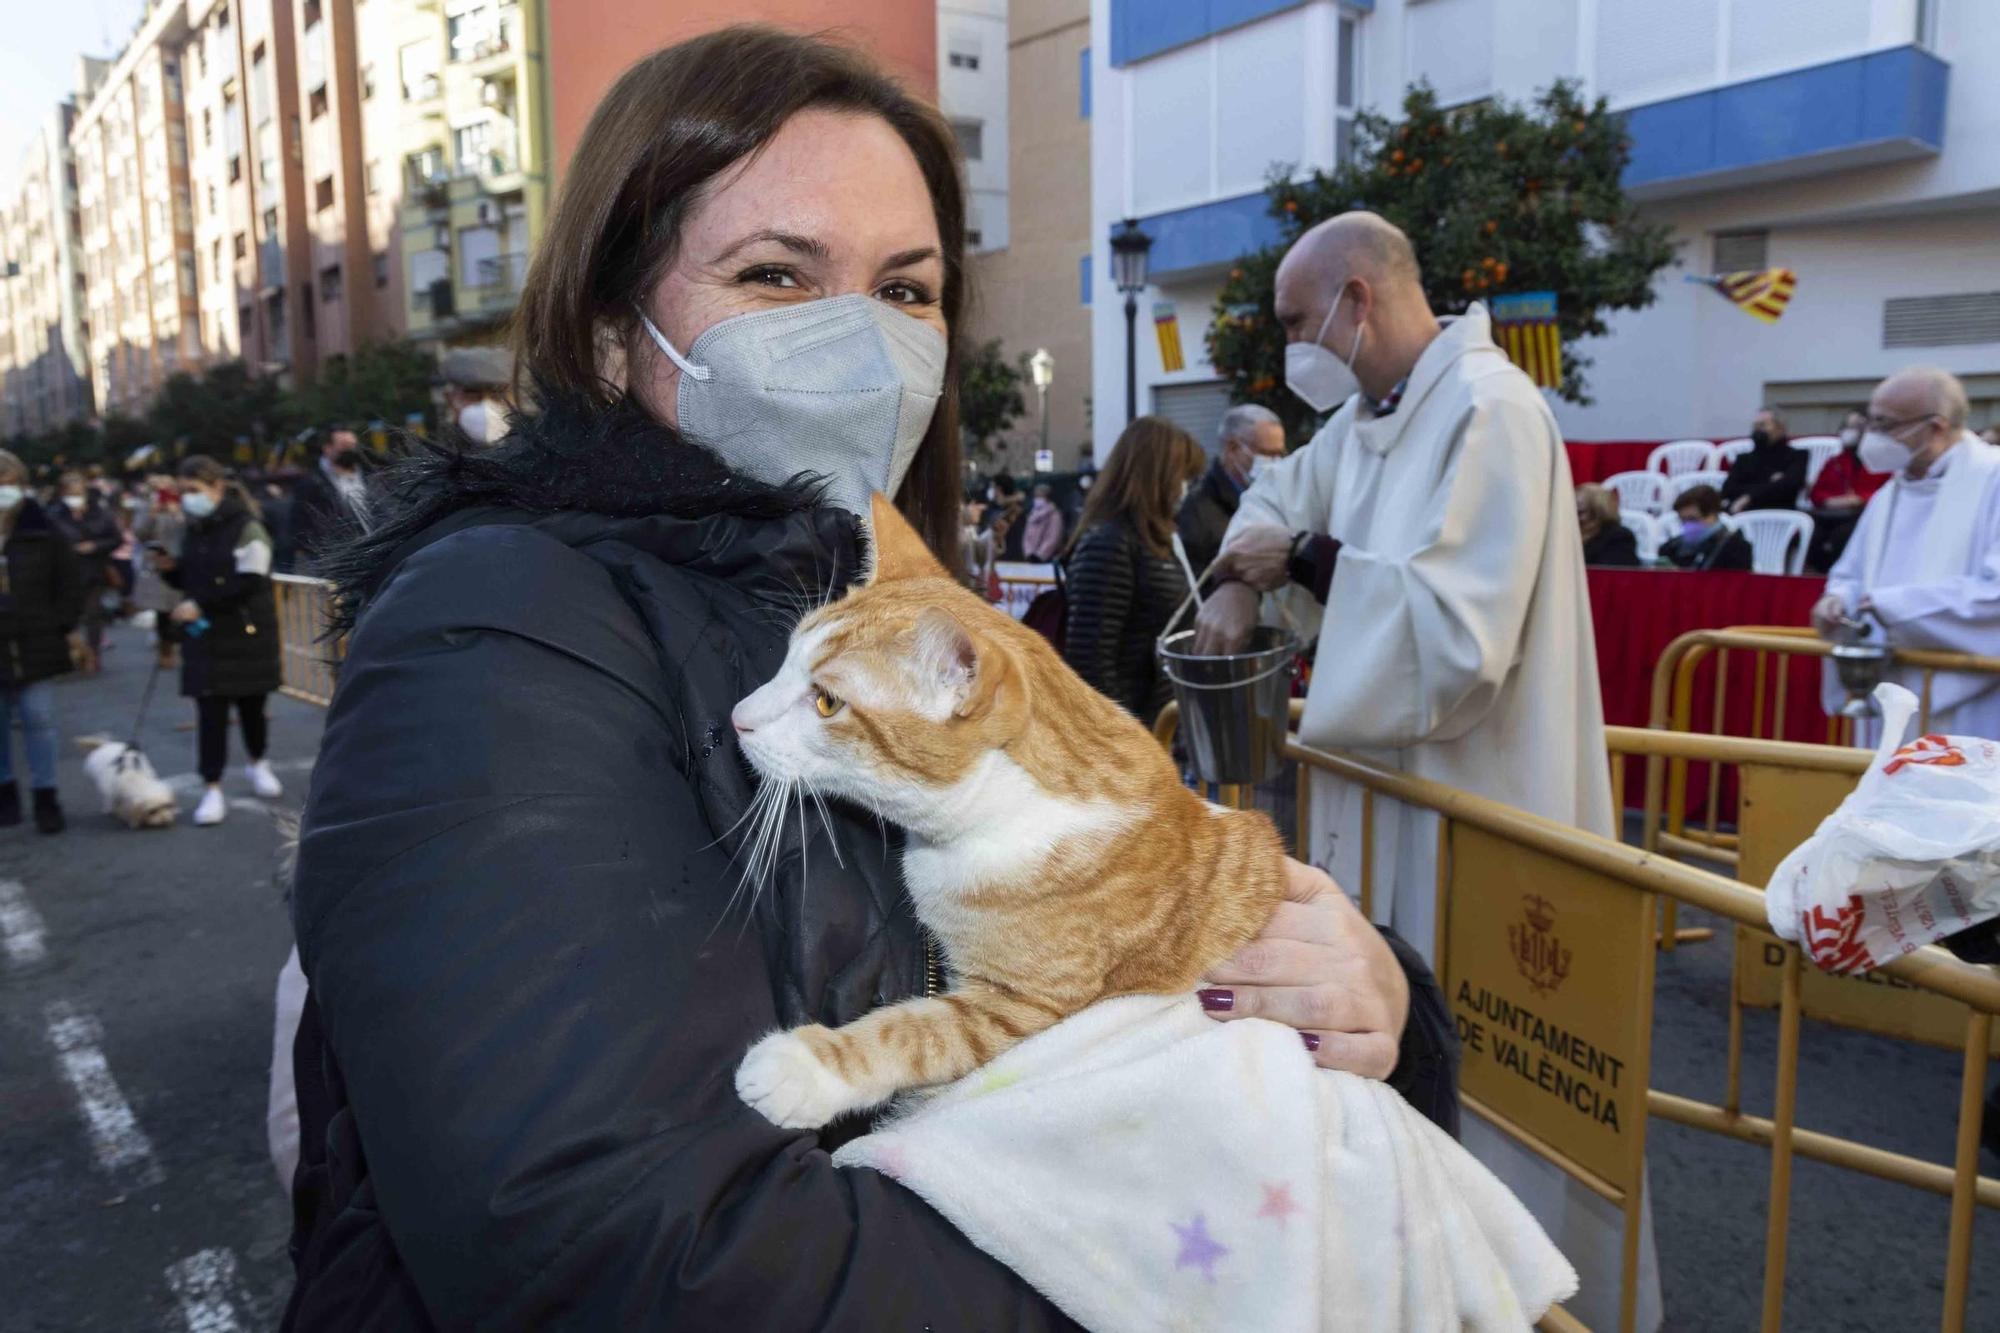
782	1080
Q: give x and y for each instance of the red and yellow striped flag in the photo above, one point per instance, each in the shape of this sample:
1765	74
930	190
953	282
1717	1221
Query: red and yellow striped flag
1524	325
1762	294
1167	324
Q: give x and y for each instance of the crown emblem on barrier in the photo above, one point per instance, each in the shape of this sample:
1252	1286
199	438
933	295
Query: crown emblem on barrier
1538	954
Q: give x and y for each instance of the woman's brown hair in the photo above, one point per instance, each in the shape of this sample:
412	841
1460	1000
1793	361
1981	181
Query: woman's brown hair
1150	463
668	127
208	472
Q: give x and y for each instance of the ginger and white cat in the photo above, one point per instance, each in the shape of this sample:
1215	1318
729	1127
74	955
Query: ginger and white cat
1053	851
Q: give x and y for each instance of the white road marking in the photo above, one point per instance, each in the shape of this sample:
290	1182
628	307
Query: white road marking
20	925
206	1285
121	1146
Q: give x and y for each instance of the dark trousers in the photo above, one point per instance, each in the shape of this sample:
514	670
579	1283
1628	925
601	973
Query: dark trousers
214	731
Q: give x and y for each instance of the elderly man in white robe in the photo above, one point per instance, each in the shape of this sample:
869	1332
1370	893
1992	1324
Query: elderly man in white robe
1432	519
1924	561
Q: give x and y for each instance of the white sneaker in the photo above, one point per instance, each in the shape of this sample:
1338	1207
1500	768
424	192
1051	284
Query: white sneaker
212	808
263	781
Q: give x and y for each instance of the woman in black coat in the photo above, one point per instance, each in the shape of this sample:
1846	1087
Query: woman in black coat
228	623
41	600
528	987
1122	578
91	529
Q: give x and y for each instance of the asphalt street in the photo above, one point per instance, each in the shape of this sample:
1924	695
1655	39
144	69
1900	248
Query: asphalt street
135	1033
135	1038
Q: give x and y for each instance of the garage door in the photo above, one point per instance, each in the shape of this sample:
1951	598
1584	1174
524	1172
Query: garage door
1195	408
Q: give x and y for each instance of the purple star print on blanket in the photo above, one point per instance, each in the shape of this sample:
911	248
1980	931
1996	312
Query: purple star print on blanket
1198	1248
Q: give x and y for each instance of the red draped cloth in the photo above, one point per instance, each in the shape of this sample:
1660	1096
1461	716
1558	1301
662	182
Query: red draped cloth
1594	460
1638	612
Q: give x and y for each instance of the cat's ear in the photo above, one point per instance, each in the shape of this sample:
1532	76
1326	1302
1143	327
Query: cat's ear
973	669
899	552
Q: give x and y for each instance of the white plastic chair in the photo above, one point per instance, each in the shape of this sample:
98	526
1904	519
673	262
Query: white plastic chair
1777	538
1649	534
1677	456
1638	492
1730	450
1820	450
1687	481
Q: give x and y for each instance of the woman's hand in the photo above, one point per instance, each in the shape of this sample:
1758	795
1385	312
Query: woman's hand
1322	968
186	613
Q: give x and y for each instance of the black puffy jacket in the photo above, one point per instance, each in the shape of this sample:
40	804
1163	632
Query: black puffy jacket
237	655
1120	599
95	524
1204	518
529	987
41	599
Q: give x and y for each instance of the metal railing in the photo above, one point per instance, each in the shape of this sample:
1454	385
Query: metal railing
1617	870
307	658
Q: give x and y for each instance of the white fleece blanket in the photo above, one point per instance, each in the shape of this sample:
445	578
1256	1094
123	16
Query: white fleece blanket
1148	1168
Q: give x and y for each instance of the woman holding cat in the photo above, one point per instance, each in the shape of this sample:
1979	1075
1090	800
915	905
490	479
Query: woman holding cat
1124	583
529	981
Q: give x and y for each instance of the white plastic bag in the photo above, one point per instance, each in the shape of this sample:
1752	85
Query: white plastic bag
1911	856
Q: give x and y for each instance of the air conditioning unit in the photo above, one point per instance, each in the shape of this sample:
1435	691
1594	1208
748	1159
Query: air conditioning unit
485	211
442	236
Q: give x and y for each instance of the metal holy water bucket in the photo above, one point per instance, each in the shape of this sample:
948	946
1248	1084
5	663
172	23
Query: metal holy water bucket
1235	710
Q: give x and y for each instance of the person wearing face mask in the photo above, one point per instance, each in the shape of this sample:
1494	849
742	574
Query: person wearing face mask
91	529
1004	517
1251	439
1703	541
1771	474
1122	579
228	621
159	531
41	601
1844	485
1429	532
1923	566
741	323
1043	539
331	497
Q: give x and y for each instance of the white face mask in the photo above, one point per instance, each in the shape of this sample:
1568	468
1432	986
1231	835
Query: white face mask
472	420
1260	466
844	387
75	503
195	504
1850	437
1320	379
11	497
1882	452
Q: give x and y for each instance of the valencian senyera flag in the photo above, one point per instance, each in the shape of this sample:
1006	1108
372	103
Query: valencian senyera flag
1167	325
1762	294
1524	325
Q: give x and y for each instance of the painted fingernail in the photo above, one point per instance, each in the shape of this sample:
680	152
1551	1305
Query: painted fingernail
1217	1001
1311	1039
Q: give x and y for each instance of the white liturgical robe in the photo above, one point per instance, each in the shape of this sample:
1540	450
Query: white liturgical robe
1455	645
1927	554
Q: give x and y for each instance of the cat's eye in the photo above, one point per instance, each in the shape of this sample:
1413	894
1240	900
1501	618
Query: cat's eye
825	704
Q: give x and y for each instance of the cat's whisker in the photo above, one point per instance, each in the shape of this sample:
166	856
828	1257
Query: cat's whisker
826	821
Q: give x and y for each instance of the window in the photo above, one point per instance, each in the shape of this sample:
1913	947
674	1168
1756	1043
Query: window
469	144
425	167
419	64
235	170
270	224
323	194
971	136
1343	94
215	262
368	81
964	60
316	102
1740	251
381	271
477	246
973	237
241	246
212	209
207	127
267	153
260	87
310	13
371	176
329	283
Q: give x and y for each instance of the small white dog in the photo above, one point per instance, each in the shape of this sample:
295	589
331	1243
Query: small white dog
132	791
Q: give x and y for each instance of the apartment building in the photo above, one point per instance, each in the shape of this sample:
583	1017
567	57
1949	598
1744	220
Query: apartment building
136	213
972	51
1832	138
44	352
343	280
465	153
1031	281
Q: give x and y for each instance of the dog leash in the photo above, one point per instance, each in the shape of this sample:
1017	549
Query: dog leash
145	702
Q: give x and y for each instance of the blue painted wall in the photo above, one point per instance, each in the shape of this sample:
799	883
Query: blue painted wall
1083	83
1208	234
1083	280
1893	95
1142	28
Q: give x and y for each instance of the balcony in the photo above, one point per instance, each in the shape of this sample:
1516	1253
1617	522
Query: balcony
270	265
1885	106
498	280
423	88
497	170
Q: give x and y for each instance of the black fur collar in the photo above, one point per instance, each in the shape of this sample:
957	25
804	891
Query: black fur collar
569	457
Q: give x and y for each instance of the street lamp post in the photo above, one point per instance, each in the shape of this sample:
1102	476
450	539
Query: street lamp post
1128	269
1042	369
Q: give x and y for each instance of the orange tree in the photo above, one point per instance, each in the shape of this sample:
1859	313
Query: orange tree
1496	198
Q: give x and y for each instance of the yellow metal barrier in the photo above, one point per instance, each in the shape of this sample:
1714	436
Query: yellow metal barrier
307	658
1490	852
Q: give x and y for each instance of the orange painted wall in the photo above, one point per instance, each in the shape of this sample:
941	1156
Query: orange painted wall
591	42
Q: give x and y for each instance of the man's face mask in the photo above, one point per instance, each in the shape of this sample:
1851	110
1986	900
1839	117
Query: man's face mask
1322	380
1885	451
844	387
